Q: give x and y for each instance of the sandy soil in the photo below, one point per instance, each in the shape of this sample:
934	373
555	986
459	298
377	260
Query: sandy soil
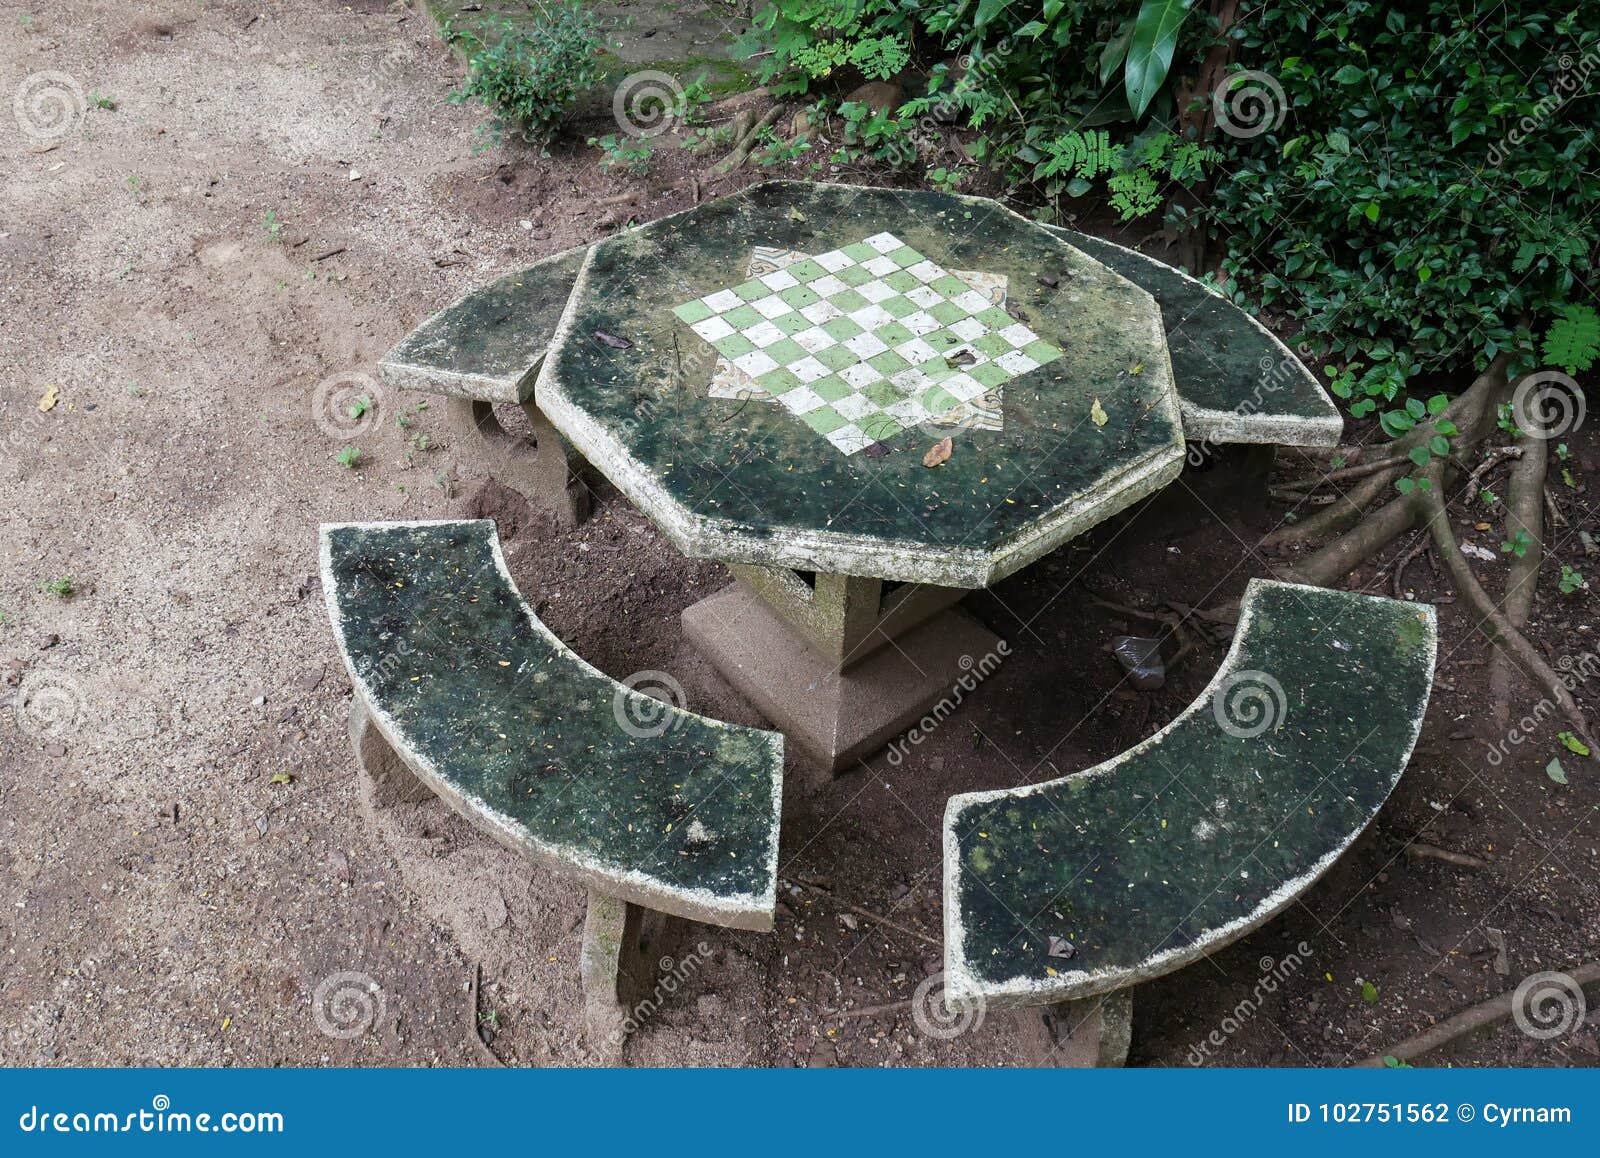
190	873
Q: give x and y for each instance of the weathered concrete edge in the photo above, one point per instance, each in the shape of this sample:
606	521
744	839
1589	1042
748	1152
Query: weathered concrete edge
404	373
703	537
1230	426
738	911
963	989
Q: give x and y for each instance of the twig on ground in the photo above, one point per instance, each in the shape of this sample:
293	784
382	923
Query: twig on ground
1419	851
484	1051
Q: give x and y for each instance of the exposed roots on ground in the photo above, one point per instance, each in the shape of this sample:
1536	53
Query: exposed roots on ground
1361	535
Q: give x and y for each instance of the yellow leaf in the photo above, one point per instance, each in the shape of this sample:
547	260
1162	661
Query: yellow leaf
227	1021
1098	414
1051	971
938	452
52	395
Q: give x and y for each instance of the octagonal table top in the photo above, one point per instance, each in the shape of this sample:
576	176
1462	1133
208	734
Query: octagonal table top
765	375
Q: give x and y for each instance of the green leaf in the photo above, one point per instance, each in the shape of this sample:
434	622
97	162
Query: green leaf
1349	74
1440	445
1116	51
1371	210
1419	455
1445	426
987	11
1415	408
1438	404
1405	485
1155	37
1574	745
1555	771
1369	993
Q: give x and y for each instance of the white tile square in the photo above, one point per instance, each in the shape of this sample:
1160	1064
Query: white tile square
819	312
712	329
879	266
833	261
920	323
779	279
907	412
884	242
874	291
849	438
964	387
723	300
968	329
814	339
763	334
772	307
802	400
808	369
1018	335
860	376
865	346
827	285
755	363
925	271
855	406
972	301
871	317
911	382
916	351
923	296
1016	362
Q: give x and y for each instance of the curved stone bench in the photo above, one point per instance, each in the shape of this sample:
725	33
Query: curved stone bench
1186	842
459	686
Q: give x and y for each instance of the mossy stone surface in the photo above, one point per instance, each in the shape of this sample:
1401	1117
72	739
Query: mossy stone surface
1237	382
1085	434
645	801
1196	836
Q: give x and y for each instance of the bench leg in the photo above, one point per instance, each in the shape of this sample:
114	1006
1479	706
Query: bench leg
620	944
1093	1032
547	476
390	780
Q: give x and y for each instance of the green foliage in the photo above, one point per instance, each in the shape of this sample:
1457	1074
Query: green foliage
272	226
1517	545
623	152
1573	340
1572	744
535	71
1572	580
1150	41
349	457
62	588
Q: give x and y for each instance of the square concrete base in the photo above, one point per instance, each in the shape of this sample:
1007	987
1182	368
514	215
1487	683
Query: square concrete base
837	718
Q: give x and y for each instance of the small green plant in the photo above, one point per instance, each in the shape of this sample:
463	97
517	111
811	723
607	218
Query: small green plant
1487	497
5	620
133	183
349	457
1517	545
623	152
1369	993
1506	419
533	73
774	150
1572	744
101	101
62	588
1572	580
272	226
359	407
1396	1063
1573	340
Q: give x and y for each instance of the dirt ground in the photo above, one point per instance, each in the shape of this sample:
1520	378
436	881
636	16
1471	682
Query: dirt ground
189	870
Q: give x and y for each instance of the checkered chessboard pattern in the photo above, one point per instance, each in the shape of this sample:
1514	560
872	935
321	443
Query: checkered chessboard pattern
861	342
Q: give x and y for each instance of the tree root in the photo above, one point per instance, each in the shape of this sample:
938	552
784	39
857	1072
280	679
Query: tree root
1524	515
1488	1013
742	146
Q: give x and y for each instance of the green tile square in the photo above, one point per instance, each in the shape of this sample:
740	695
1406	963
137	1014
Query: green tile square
988	373
949	285
935	369
937	400
742	317
832	388
992	344
733	346
779	381
799	296
805	270
860	251
1041	351
943	340
692	312
786	351
904	256
841	329
945	313
899	307
848	301
888	363
878	426
824	419
900	281
884	394
792	323
995	318
853	275
893	333
751	291
836	357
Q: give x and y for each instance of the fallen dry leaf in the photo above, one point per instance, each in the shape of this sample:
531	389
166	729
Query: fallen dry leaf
1098	415
52	395
938	452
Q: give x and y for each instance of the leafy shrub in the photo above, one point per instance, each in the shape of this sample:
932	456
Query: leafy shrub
534	73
